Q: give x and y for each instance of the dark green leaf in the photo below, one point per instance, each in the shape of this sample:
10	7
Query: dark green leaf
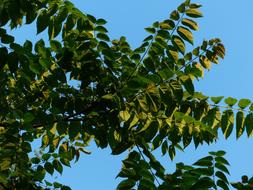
126	184
249	124
7	39
222	184
4	56
150	30
175	15
57	166
221	167
42	21
103	36
221	176
101	21
206	161
49	168
239	123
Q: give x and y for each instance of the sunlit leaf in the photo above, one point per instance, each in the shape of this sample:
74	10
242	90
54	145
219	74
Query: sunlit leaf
185	34
194	13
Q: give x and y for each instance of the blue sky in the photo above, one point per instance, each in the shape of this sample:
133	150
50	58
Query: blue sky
229	20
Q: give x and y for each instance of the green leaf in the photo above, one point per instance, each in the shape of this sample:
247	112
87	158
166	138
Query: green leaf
45	63
62	14
163	34
101	21
126	184
167	25
194	13
57	185
13	61
249	124
219	49
222	184
65	188
103	36
5	165
49	168
202	183
239	123
196	51
185	34
195	5
57	166
172	152
35	68
134	121
230	101
220	153
243	103
166	73
205	62
152	104
175	15
71	21
181	7
4	56
108	96
221	176
7	39
190	23
124	115
42	21
40	173
172	53
217	99
177	90
101	29
221	167
178	43
28	117
227	122
188	84
206	161
150	30
45	157
251	107
164	147
221	160
55	45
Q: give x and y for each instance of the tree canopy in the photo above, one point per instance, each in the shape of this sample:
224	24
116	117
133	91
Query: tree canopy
130	100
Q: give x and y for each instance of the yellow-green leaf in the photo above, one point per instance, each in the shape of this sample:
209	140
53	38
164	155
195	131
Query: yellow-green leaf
185	34
124	115
190	23
194	13
178	43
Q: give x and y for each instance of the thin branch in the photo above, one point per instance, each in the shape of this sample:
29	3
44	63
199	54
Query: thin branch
196	57
143	157
178	22
66	118
140	61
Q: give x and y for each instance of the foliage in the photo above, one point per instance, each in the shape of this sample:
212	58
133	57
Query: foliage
142	99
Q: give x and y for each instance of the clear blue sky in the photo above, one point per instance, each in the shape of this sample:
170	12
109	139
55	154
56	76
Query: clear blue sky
229	20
